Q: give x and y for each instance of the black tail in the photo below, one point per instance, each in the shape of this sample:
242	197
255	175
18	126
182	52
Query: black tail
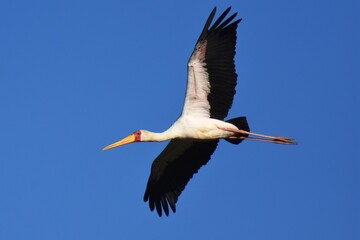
240	123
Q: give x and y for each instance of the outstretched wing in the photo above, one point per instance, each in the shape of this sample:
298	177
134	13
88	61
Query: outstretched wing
211	69
210	91
172	169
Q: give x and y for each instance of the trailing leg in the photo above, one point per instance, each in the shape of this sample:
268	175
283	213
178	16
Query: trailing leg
246	135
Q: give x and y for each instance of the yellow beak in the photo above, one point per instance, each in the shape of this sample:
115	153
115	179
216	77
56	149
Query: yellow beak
127	140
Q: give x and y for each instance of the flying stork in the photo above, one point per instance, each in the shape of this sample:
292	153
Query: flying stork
195	134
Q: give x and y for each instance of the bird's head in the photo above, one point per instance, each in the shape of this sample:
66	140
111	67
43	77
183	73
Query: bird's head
137	136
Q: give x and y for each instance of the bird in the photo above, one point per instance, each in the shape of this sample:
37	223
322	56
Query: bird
194	136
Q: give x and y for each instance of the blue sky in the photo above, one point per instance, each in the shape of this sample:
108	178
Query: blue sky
78	75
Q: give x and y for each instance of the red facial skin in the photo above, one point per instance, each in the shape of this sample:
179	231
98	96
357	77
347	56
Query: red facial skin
137	136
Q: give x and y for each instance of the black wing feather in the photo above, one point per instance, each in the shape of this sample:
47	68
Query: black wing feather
172	169
219	20
219	58
181	159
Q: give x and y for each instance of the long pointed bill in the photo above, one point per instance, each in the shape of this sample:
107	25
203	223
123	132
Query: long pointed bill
127	140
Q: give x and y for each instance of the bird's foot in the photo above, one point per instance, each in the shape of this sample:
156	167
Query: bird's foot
284	140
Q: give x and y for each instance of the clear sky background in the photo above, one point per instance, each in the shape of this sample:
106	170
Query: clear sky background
78	75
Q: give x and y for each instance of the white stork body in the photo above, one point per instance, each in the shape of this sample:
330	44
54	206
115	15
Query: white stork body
195	135
191	127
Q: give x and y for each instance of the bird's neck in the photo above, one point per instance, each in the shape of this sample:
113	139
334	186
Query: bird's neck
157	137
